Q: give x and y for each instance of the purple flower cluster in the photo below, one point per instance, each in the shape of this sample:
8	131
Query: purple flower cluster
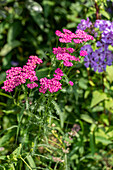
87	25
84	24
102	24
17	75
94	59
101	57
53	85
64	54
68	36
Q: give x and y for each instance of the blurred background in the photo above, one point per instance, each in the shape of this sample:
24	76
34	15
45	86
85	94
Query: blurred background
28	28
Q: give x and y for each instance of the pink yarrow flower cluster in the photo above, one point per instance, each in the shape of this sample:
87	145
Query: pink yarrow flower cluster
53	85
32	85
83	53
17	75
64	54
79	37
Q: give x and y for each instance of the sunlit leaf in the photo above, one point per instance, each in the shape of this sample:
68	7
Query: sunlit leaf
109	71
31	161
105	14
87	118
8	47
97	98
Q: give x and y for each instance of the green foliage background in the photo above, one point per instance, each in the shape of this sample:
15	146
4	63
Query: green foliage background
28	28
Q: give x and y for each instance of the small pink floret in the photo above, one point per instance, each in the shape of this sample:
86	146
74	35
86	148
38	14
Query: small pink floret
83	53
71	83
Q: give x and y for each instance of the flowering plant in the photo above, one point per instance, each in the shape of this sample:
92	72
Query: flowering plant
24	80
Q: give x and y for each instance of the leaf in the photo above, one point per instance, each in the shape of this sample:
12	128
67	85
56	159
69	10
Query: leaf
89	14
33	6
6	138
109	71
87	118
2	77
2	157
17	151
110	47
39	20
8	47
92	142
14	31
3	104
105	14
31	161
6	95
60	113
91	83
87	92
105	119
14	126
6	60
74	157
3	168
103	140
97	98
8	111
83	83
71	25
42	73
19	118
109	104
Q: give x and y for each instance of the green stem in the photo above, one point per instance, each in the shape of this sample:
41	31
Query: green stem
25	163
66	167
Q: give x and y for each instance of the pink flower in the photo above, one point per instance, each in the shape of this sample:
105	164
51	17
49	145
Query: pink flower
17	75
71	83
77	41
83	53
53	85
67	36
64	54
32	85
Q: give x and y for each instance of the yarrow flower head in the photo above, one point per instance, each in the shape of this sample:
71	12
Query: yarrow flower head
53	85
68	36
32	85
64	54
17	75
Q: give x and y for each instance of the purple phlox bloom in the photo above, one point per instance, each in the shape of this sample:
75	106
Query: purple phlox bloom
102	24
98	55
109	58
100	67
88	59
87	48
84	24
103	46
107	35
